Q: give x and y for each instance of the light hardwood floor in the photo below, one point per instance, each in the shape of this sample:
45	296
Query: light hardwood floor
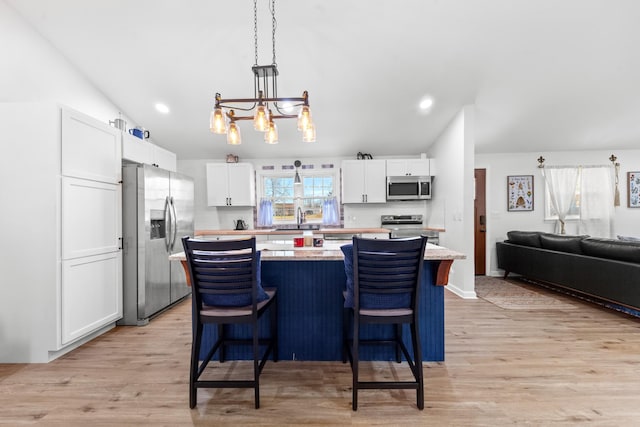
544	367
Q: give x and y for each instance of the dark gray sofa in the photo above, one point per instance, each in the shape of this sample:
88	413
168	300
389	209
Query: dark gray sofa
606	269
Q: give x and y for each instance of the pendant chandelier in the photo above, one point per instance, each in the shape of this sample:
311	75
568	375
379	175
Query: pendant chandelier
265	106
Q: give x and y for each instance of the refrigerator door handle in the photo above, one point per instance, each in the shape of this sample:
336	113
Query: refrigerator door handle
167	224
174	224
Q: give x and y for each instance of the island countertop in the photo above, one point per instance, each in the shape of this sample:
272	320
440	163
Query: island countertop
330	251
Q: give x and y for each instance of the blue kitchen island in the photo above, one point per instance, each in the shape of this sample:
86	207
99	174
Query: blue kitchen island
310	282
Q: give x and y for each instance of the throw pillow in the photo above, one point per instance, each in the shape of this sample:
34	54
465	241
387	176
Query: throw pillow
525	238
612	249
562	243
238	300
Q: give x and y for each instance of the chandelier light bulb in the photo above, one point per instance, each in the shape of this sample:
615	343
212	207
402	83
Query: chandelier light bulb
304	118
271	136
261	119
217	121
309	134
233	135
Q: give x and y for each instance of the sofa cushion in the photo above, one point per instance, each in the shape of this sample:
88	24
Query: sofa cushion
525	238
612	249
561	242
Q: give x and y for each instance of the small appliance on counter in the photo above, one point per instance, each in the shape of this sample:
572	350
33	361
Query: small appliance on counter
240	224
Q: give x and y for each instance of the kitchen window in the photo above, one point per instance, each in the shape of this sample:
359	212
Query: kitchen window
285	196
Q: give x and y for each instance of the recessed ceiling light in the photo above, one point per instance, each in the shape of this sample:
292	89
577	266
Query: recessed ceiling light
162	108
426	103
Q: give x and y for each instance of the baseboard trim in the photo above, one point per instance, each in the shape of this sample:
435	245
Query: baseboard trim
460	292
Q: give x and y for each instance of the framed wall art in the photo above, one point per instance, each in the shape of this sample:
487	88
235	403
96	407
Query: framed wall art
633	189
519	193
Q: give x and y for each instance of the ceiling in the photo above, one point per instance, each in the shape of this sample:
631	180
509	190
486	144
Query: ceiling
544	75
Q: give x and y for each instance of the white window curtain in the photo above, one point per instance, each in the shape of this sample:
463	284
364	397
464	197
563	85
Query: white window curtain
596	201
265	213
561	181
330	211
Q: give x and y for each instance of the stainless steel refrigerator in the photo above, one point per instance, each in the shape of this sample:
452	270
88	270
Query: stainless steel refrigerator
157	208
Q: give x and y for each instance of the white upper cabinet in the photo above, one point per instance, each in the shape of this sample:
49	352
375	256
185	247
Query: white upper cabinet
364	181
406	167
164	159
138	150
135	149
90	149
230	184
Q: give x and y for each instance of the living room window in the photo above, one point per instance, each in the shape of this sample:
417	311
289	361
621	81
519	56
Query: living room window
582	193
550	212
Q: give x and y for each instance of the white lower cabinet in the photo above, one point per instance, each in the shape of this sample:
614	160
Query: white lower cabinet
88	298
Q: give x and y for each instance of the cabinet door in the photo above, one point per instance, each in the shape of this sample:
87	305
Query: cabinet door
402	167
90	149
353	175
217	184
418	167
375	181
91	294
136	150
396	167
241	184
164	159
91	217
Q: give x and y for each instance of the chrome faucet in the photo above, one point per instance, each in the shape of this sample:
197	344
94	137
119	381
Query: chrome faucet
299	216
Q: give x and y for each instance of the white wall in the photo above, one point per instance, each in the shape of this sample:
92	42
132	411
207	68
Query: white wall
499	166
453	194
33	71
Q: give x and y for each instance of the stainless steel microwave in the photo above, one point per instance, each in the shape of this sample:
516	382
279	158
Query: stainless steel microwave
408	187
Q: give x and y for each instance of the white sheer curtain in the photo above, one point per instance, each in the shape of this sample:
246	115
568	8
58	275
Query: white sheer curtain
330	211
265	213
596	201
561	181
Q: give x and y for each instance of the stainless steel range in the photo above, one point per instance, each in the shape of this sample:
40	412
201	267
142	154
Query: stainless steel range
407	226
